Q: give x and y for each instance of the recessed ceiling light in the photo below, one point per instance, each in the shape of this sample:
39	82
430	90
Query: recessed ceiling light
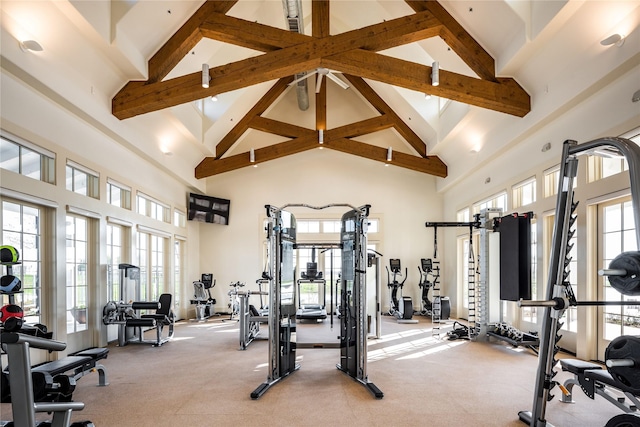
616	39
30	46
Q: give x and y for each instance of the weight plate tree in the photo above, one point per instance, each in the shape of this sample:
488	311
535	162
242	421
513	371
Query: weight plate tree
281	236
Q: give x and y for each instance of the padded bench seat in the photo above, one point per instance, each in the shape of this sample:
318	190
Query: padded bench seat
81	363
594	380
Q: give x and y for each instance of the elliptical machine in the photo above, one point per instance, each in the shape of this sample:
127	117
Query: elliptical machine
402	309
426	267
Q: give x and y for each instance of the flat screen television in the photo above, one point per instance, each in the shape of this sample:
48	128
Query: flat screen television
208	209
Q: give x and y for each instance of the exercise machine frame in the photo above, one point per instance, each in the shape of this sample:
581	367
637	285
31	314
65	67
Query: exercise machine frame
23	406
571	150
281	235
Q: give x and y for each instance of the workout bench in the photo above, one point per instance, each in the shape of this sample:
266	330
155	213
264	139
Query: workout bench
593	380
47	377
81	363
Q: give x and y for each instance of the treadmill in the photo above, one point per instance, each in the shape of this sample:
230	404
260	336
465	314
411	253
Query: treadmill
312	311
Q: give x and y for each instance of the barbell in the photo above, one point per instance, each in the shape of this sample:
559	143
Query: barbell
623	275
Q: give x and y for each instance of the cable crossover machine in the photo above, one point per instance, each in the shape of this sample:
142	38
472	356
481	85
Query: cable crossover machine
281	236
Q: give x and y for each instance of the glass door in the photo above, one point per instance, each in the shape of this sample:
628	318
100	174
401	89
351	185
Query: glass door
616	234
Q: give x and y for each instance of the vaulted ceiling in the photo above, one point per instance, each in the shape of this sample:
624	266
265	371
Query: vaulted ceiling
287	53
132	71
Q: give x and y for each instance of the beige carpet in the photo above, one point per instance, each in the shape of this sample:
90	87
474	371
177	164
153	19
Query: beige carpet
202	379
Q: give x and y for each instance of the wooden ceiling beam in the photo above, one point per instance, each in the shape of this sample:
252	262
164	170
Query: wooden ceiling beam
378	103
505	95
277	127
135	99
459	40
210	166
360	128
431	165
179	45
320	29
260	107
252	35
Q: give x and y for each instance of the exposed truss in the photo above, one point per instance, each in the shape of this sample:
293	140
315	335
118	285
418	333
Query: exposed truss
353	53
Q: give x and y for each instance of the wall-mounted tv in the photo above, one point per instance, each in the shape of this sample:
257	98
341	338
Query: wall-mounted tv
208	209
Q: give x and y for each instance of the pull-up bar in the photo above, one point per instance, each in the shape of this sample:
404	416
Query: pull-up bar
435	225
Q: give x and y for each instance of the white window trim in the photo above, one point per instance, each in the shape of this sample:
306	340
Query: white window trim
83	212
119	221
27	198
118	184
31	146
81	168
152	199
154	231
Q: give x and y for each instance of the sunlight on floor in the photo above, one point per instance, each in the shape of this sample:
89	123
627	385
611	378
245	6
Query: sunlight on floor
400	350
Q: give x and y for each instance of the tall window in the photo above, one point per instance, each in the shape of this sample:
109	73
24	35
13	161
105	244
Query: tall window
77	283
157	267
21	228
114	258
617	235
82	180
178	271
27	159
151	253
570	319
143	263
529	314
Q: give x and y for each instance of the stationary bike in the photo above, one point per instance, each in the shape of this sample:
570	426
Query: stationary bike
402	310
425	269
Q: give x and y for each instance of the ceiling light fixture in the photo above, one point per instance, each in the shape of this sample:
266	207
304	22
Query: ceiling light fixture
206	78
320	136
427	96
214	98
614	39
389	154
546	147
435	73
636	96
30	46
252	156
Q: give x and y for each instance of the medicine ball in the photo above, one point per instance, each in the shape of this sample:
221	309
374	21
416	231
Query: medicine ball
9	254
9	311
10	284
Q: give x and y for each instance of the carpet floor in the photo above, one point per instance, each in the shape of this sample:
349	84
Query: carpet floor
200	378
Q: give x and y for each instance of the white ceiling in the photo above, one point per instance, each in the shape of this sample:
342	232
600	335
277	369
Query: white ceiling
93	48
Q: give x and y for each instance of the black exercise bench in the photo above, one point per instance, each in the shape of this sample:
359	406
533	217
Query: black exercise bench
593	380
81	363
59	377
